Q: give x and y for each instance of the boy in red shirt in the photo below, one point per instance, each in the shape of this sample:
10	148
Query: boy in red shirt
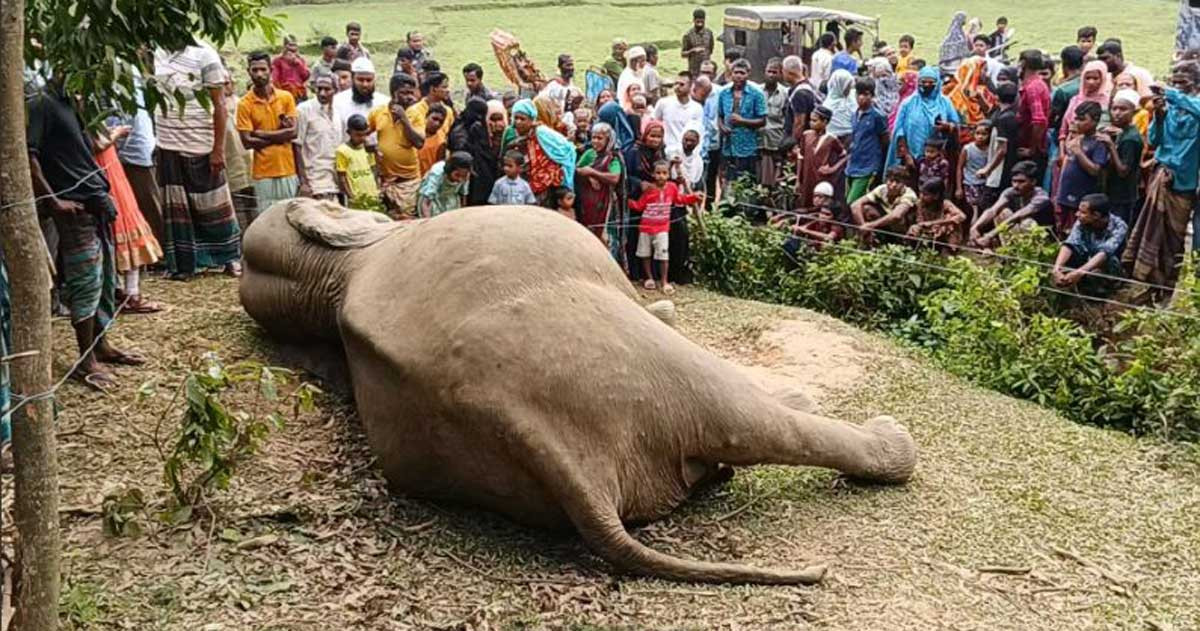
654	229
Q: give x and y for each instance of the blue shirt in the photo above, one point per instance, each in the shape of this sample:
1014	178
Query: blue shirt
1177	136
1075	181
712	134
138	147
511	191
742	142
866	152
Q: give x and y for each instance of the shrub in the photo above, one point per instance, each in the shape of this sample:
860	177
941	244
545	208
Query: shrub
992	323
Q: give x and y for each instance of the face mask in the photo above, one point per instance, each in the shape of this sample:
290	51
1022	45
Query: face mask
927	90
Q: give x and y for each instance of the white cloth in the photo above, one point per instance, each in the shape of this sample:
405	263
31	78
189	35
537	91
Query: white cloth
318	137
822	67
1141	77
557	91
675	117
691	167
193	69
628	77
994	66
344	106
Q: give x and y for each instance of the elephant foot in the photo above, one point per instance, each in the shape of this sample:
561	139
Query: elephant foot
897	451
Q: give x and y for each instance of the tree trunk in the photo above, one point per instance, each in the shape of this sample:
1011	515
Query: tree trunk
34	453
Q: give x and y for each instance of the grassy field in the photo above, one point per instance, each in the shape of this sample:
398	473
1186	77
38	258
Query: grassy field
1017	519
459	31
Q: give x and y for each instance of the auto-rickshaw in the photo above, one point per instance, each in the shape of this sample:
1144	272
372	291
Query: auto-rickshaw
763	32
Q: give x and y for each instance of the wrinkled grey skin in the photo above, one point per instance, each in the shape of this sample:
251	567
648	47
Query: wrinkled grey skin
498	358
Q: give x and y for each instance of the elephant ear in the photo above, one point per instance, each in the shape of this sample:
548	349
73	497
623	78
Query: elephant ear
336	227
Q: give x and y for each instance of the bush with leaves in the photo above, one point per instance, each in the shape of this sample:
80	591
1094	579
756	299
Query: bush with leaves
991	322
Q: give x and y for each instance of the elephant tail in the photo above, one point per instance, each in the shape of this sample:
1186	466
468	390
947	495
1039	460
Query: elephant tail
601	528
595	516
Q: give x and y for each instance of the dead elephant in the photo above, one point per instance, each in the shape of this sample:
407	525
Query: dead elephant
499	358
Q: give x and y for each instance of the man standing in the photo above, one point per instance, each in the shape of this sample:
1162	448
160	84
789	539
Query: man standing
741	111
560	86
979	51
289	72
1033	114
650	79
360	99
399	141
999	38
1156	245
802	97
473	79
266	123
698	43
353	49
198	215
329	48
75	191
1085	39
136	152
822	60
317	137
416	43
1111	53
774	131
615	64
1071	60
678	111
632	74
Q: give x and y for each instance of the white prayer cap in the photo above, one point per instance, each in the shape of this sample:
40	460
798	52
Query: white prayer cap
823	188
635	52
362	65
1131	96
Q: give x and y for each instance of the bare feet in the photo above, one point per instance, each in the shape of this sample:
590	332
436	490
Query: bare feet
108	354
668	289
649	284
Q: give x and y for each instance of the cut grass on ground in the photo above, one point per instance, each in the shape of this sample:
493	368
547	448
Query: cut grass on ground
459	31
1017	519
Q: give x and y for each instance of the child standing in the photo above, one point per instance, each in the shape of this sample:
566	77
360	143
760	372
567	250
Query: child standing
563	200
971	163
512	189
655	225
869	137
934	166
821	159
1086	157
355	166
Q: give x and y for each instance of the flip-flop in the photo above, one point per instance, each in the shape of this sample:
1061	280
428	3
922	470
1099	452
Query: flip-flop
140	305
99	381
669	289
649	285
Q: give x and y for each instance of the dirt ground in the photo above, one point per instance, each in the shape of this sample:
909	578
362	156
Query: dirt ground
1017	519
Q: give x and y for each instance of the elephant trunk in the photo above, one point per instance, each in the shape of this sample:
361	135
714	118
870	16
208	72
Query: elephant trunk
292	285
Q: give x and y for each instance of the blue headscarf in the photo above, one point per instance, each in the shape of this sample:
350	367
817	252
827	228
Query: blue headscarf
918	114
560	150
612	114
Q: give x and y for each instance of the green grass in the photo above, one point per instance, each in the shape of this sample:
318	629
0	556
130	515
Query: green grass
459	31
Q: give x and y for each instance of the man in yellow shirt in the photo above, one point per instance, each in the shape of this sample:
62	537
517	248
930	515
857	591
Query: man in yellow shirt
266	122
399	139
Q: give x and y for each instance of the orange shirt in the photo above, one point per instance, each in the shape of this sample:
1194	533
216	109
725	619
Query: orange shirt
431	153
257	114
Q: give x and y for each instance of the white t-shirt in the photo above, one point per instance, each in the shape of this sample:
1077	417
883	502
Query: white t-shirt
675	117
822	67
344	106
193	69
628	78
557	91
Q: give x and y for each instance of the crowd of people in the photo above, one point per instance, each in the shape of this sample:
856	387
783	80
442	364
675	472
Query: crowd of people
953	149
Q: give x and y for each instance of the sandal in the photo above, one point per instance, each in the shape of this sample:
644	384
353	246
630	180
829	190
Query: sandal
649	284
139	305
99	381
668	289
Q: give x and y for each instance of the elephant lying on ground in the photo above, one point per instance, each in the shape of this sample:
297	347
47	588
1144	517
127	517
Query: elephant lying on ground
499	358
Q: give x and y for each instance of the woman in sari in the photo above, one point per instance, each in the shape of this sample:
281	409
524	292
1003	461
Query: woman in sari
842	104
624	141
956	46
925	113
971	96
887	87
549	156
471	134
599	188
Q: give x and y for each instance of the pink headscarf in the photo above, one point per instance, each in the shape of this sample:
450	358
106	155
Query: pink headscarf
1100	96
908	85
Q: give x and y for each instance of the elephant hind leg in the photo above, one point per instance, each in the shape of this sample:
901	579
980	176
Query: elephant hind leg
881	450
